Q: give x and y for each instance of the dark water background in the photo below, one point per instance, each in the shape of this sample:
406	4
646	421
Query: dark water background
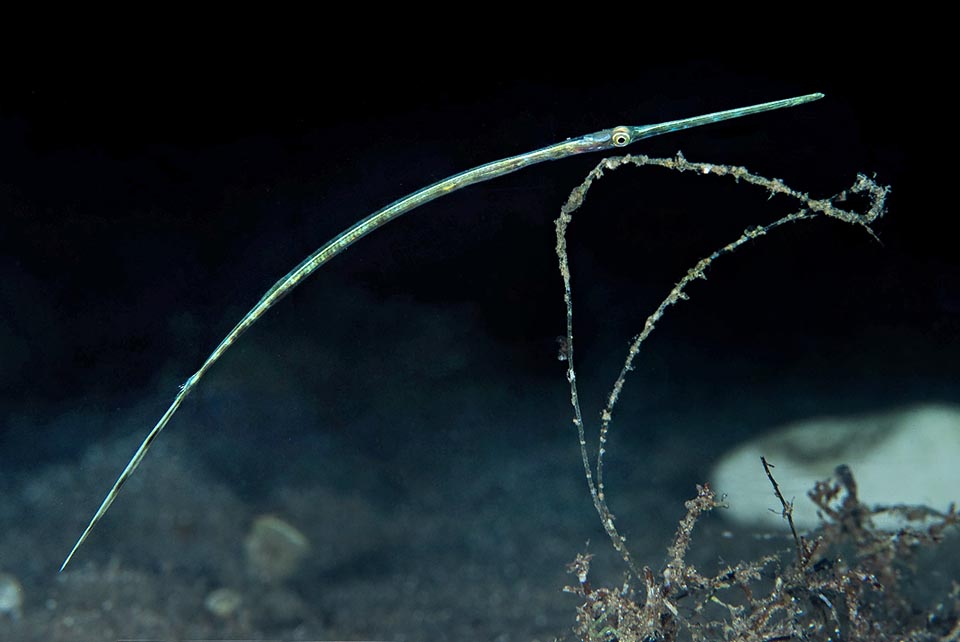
404	408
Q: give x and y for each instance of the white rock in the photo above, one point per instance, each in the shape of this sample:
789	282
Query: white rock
909	456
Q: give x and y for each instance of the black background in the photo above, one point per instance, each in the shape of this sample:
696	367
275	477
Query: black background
145	207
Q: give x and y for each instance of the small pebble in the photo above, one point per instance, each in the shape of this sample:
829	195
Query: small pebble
223	602
275	549
11	597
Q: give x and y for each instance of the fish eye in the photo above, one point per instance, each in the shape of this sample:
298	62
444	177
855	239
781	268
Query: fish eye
620	136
